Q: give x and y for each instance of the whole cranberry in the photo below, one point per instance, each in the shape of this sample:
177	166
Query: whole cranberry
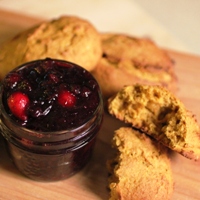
17	103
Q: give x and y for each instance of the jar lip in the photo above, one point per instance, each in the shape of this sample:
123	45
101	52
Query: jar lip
43	133
45	59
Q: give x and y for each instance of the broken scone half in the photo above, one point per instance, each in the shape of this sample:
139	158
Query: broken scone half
141	168
158	113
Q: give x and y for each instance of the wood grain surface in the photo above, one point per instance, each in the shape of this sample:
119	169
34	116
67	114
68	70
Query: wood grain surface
91	182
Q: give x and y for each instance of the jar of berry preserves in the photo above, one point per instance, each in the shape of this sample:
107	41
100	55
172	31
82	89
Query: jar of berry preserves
51	112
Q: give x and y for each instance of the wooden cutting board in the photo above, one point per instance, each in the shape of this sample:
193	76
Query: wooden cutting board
91	182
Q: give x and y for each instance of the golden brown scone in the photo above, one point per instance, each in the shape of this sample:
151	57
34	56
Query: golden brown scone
157	112
68	37
141	170
128	60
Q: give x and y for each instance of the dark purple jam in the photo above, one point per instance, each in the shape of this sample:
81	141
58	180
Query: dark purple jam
50	95
51	112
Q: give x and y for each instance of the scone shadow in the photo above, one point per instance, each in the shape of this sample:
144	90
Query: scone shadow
96	172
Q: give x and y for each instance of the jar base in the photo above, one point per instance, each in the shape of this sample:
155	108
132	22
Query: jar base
50	168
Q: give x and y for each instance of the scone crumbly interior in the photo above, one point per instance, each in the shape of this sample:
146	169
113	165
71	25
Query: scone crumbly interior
157	112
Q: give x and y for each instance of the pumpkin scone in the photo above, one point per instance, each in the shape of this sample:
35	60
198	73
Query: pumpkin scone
128	60
141	169
68	38
158	113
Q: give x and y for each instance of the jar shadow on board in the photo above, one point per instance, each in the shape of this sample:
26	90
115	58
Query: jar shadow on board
51	113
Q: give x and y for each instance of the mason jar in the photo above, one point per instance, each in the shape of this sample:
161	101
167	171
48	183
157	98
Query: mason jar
51	112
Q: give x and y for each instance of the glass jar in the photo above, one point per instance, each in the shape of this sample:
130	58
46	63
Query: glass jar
48	146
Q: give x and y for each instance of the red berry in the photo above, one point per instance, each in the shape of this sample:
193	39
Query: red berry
66	99
12	79
18	102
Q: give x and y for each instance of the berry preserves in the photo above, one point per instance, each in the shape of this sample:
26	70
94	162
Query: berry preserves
51	112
